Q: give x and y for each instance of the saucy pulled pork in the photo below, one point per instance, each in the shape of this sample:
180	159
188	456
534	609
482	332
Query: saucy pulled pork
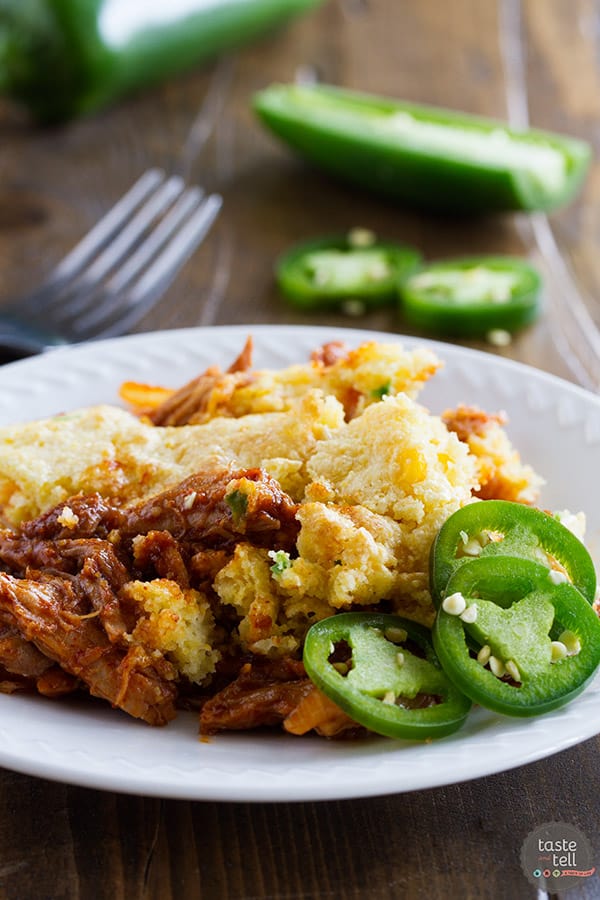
66	623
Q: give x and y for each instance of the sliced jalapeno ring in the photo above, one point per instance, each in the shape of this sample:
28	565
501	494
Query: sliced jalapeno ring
393	683
471	297
327	272
492	528
526	646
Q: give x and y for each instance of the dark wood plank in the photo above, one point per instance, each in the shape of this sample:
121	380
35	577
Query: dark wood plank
463	840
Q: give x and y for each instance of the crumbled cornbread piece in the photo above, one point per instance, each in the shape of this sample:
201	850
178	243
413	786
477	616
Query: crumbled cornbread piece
108	450
67	518
246	584
500	472
177	622
397	460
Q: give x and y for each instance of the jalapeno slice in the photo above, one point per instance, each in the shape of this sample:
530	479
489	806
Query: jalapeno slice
328	271
470	297
386	675
494	528
513	641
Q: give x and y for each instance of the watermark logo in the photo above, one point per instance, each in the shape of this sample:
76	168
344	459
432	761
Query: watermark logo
557	856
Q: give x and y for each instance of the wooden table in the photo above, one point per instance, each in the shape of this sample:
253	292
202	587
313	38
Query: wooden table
538	59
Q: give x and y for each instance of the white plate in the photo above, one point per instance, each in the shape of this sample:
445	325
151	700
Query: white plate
554	424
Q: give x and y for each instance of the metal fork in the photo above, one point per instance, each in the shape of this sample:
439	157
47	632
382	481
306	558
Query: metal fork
117	272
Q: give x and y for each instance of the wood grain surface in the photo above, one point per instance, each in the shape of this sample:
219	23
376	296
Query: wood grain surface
534	61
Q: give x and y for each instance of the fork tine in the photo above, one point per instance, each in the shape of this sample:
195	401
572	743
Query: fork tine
178	250
85	306
154	282
126	237
62	308
83	311
188	202
166	221
102	232
90	245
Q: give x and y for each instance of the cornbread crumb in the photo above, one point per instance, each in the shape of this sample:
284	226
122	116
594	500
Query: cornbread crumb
246	583
67	518
500	472
177	622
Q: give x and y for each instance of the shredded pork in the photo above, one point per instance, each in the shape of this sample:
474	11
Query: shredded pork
68	615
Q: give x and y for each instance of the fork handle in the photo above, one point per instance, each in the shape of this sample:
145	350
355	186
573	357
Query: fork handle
17	344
